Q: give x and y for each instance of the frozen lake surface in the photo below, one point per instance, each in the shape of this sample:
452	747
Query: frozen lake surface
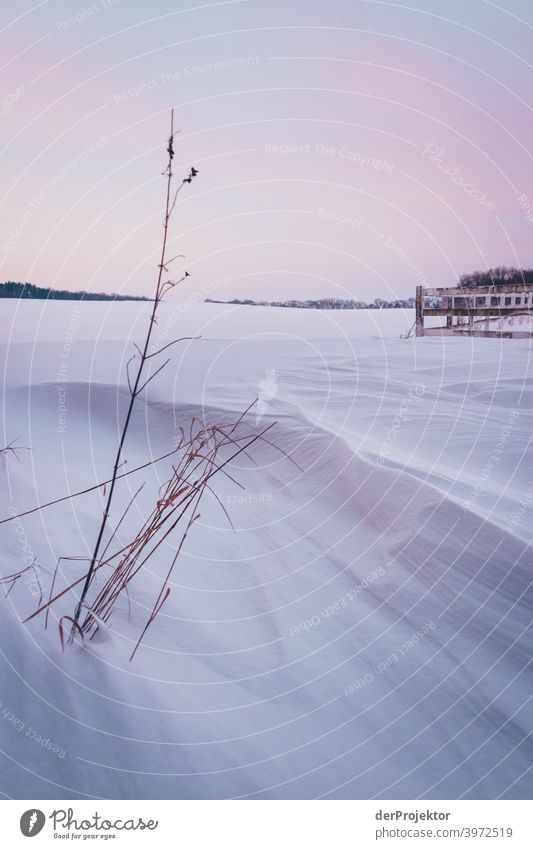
365	632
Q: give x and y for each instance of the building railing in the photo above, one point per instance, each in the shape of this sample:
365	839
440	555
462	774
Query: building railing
479	305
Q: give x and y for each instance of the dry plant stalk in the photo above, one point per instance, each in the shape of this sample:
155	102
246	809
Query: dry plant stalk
12	449
202	456
207	450
11	580
139	382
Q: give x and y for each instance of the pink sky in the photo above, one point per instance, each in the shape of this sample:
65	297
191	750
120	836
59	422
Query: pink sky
344	148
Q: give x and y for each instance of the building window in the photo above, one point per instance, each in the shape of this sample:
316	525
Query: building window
480	301
517	300
508	301
495	300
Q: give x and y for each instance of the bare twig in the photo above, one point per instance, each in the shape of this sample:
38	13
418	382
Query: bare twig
182	339
74	627
12	448
90	488
208	451
138	384
149	379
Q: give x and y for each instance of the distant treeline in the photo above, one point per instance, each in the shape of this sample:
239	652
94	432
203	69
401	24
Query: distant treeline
499	276
326	304
29	290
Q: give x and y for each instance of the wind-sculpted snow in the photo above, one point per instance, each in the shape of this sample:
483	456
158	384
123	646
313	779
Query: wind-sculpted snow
365	631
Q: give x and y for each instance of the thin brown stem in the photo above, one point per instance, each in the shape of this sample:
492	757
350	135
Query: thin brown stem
138	384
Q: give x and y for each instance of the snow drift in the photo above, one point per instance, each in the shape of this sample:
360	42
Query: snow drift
365	632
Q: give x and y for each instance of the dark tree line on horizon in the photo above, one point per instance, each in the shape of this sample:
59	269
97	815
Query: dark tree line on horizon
497	276
501	275
33	292
324	303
